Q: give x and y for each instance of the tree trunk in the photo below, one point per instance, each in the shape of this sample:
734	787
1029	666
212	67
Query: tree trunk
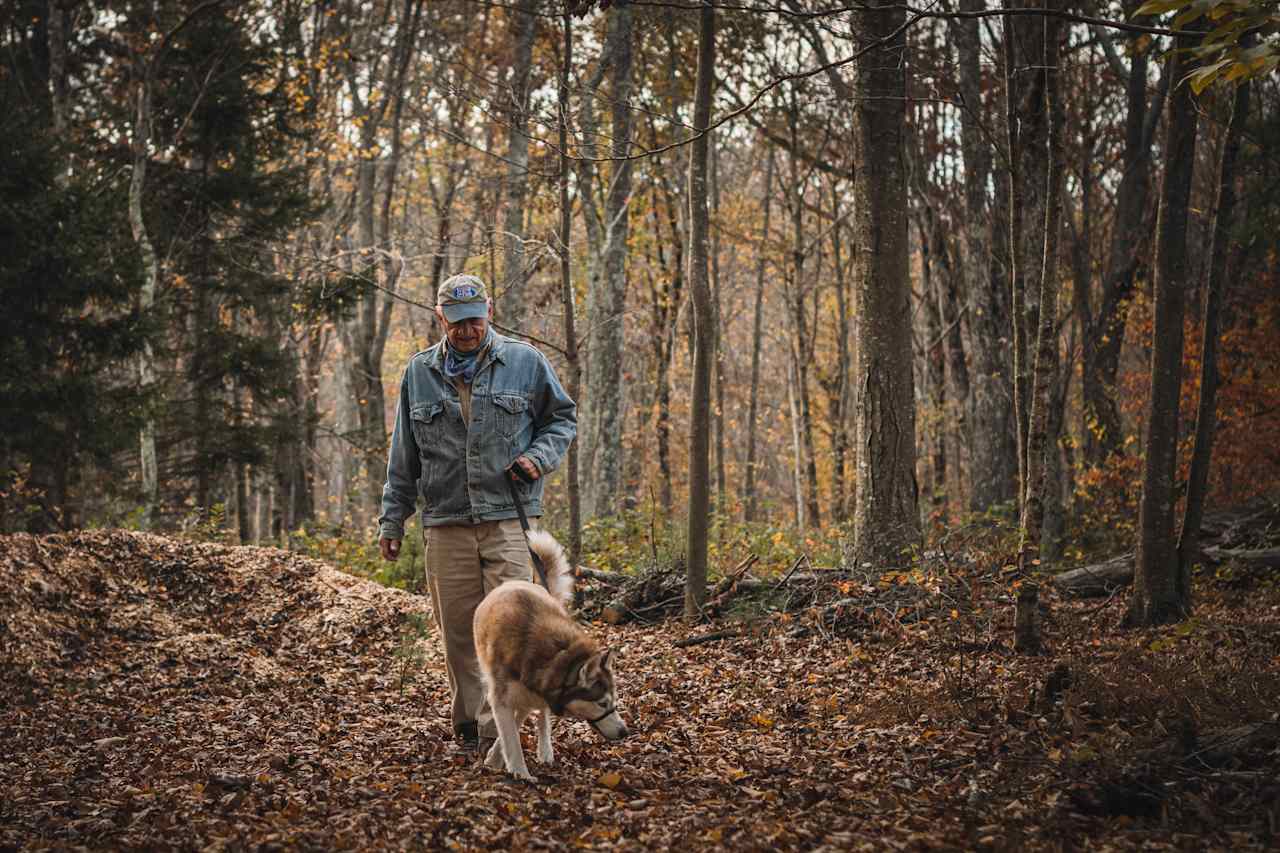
1103	335
512	292
1198	478
993	460
886	523
1162	588
605	386
753	404
838	399
566	293
718	342
1027	635
801	348
934	370
147	293
700	292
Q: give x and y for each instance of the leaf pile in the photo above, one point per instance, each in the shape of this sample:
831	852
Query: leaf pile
159	693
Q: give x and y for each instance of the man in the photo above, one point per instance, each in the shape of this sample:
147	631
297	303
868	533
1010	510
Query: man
471	407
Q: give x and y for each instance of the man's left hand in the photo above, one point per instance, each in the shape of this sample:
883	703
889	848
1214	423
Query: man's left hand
528	466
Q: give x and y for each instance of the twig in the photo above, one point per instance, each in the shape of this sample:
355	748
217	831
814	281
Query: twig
708	638
791	571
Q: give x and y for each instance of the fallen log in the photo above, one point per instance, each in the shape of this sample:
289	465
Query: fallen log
1263	558
1097	580
1103	579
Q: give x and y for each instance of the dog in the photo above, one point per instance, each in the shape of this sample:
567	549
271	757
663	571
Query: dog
535	657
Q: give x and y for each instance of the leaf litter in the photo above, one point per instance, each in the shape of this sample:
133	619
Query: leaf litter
157	693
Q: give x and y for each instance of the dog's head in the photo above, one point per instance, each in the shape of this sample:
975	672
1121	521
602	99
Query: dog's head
592	697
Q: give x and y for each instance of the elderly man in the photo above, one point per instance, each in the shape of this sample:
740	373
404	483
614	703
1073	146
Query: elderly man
471	407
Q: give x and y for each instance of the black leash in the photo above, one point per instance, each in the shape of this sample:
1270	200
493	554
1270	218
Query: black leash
524	520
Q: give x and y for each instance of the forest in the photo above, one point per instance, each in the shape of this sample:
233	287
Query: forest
927	469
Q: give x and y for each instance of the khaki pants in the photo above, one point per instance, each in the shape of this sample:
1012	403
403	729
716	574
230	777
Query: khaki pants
464	563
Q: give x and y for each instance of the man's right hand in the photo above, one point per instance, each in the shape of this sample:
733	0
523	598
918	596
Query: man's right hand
390	549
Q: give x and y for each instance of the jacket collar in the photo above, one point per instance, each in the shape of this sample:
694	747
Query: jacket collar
435	353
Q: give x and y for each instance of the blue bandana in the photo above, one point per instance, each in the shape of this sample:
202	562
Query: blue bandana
465	364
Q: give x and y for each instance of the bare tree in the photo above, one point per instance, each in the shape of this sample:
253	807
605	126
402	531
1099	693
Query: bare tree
523	27
753	406
1027	633
1206	417
886	522
700	292
1161	586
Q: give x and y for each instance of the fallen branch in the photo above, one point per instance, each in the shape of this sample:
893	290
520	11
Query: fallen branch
708	638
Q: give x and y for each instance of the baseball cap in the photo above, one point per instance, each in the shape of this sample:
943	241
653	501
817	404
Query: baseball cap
463	297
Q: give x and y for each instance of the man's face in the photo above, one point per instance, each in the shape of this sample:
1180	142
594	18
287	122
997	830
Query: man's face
465	335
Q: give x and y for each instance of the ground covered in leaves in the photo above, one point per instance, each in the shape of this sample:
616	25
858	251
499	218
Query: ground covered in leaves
160	693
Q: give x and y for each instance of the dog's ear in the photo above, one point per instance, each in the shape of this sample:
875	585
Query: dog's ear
606	660
586	672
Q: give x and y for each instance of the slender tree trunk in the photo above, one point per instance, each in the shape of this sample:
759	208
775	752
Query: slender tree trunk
1162	589
753	404
1104	333
934	368
1027	631
605	379
801	341
512	293
797	444
838	401
717	317
147	294
886	522
566	292
700	292
1198	478
993	449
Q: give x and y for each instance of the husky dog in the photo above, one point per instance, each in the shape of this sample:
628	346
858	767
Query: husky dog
535	657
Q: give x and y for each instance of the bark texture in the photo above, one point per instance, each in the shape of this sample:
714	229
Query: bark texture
700	292
1162	588
1206	416
886	523
607	297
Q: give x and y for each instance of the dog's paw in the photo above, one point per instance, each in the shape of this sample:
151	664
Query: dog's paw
524	776
494	759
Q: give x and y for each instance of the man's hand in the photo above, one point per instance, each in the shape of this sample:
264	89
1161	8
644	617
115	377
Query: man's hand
390	549
528	466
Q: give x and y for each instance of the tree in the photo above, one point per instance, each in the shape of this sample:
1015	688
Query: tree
757	317
1211	325
608	285
67	323
1027	637
522	23
994	449
700	291
886	522
1162	587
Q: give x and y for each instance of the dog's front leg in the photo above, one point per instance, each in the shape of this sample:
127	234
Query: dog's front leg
545	754
509	739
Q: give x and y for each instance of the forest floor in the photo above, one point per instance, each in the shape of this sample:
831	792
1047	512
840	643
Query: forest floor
157	693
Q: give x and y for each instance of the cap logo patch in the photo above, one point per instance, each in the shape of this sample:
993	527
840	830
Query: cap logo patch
465	291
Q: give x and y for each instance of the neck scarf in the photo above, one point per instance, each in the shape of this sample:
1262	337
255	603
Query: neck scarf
465	364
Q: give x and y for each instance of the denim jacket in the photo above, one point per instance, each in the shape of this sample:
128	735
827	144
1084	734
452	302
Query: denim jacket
517	406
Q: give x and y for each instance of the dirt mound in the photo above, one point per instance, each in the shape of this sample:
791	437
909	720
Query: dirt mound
67	599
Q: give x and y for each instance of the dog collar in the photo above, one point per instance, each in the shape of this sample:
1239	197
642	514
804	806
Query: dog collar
611	709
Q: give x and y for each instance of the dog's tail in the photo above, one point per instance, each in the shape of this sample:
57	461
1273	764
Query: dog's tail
559	575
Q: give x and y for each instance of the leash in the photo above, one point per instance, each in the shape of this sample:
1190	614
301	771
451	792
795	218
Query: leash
524	521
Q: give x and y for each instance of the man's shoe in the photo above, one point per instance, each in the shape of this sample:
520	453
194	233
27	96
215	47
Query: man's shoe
468	736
